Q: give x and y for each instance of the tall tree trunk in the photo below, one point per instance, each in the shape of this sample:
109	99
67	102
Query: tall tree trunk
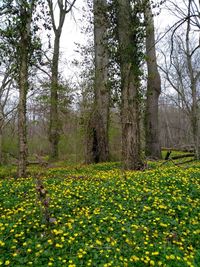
194	118
152	145
64	7
23	88
54	119
1	145
24	45
131	151
97	145
1	133
195	132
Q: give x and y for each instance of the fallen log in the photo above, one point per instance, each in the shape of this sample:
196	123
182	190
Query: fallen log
41	163
182	149
184	162
183	156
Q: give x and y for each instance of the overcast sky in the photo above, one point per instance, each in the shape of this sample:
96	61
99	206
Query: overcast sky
72	32
70	36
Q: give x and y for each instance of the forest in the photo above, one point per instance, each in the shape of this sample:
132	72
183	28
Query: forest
99	152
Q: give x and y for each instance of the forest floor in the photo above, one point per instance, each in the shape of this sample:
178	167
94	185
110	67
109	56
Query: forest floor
99	215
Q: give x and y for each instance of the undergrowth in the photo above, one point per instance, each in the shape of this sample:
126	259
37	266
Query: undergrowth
99	215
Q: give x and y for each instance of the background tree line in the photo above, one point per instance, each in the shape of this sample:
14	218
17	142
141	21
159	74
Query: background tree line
136	91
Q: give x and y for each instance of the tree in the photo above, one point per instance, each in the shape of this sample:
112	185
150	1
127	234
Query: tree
182	71
152	145
97	143
194	79
54	127
5	89
19	38
127	26
25	17
19	31
24	51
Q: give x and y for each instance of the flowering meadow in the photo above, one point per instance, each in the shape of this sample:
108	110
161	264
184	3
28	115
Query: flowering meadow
102	216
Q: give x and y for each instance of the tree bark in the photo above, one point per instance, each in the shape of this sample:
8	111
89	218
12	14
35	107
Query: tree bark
24	44
152	145
195	121
1	133
54	126
54	119
194	118
131	151
1	145
98	146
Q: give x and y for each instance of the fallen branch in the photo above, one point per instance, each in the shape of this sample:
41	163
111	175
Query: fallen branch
44	201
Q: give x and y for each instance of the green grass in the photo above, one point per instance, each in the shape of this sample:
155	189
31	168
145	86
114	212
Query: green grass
103	217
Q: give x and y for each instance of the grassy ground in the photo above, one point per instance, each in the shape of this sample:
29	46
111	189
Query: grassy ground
101	216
